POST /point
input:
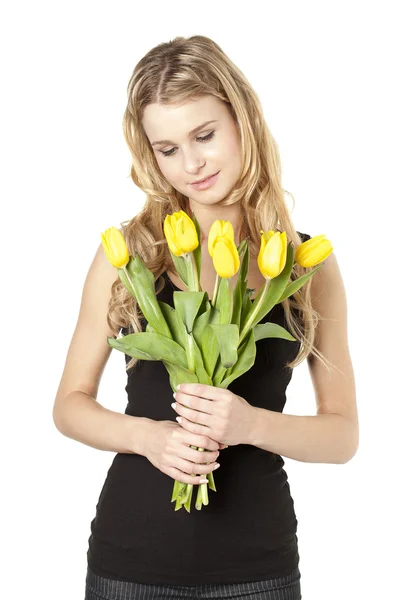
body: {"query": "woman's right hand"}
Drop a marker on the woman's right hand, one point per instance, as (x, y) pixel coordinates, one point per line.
(168, 449)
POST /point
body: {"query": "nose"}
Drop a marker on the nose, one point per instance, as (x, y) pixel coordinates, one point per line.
(193, 162)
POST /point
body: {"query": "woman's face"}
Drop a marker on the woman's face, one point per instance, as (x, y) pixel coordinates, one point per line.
(184, 156)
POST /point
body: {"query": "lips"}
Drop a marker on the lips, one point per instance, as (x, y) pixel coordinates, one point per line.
(205, 179)
(205, 185)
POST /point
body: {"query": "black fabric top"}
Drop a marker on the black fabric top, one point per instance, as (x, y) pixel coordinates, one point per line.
(247, 532)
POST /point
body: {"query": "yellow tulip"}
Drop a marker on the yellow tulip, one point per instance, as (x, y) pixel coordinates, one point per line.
(225, 257)
(181, 233)
(115, 247)
(219, 229)
(273, 252)
(313, 251)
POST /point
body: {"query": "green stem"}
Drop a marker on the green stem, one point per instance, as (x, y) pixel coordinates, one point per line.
(254, 312)
(194, 285)
(190, 354)
(230, 299)
(193, 276)
(216, 287)
(128, 278)
(202, 491)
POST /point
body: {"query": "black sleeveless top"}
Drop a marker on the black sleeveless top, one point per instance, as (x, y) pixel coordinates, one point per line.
(247, 532)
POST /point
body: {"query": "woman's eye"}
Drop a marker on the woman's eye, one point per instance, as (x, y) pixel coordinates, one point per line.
(199, 139)
(206, 137)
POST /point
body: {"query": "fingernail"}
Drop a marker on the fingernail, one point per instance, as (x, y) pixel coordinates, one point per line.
(216, 466)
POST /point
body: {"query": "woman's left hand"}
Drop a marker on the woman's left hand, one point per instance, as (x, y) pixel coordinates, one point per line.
(216, 412)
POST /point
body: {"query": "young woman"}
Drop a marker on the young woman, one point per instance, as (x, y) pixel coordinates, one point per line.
(192, 116)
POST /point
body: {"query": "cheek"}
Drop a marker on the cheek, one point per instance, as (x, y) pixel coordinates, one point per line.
(174, 175)
(167, 170)
(236, 155)
(234, 147)
(229, 151)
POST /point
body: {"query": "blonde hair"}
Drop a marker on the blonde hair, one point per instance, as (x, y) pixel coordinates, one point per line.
(174, 72)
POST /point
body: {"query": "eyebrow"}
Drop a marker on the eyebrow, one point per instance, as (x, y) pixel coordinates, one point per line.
(190, 133)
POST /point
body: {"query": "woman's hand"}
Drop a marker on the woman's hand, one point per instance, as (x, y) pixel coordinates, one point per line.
(168, 449)
(215, 412)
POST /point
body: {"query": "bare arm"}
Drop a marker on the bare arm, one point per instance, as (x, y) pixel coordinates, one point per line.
(331, 436)
(324, 438)
(76, 412)
(85, 420)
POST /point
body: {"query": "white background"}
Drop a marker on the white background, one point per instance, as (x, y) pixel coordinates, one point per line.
(326, 73)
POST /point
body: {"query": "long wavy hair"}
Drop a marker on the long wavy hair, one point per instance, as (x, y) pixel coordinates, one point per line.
(174, 72)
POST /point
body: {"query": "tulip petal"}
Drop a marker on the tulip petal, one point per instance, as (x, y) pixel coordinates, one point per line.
(218, 229)
(180, 232)
(169, 232)
(187, 230)
(215, 231)
(313, 251)
(115, 247)
(227, 230)
(283, 252)
(272, 256)
(226, 259)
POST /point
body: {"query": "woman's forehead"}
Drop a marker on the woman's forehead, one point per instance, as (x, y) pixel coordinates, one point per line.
(161, 121)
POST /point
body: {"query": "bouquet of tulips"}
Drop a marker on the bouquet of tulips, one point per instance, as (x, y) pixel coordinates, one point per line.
(198, 340)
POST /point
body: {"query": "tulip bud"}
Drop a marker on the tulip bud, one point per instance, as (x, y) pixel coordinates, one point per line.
(219, 229)
(313, 251)
(225, 257)
(273, 253)
(180, 232)
(115, 247)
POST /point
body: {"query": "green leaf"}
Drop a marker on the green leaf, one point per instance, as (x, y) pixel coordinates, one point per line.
(178, 374)
(241, 248)
(237, 304)
(240, 286)
(206, 339)
(181, 267)
(272, 330)
(201, 372)
(219, 372)
(175, 324)
(150, 346)
(197, 251)
(247, 306)
(210, 349)
(298, 283)
(144, 291)
(228, 340)
(187, 304)
(246, 358)
(202, 321)
(224, 300)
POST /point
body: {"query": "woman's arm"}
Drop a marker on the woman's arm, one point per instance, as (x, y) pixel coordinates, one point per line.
(328, 438)
(76, 412)
(85, 420)
(331, 436)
